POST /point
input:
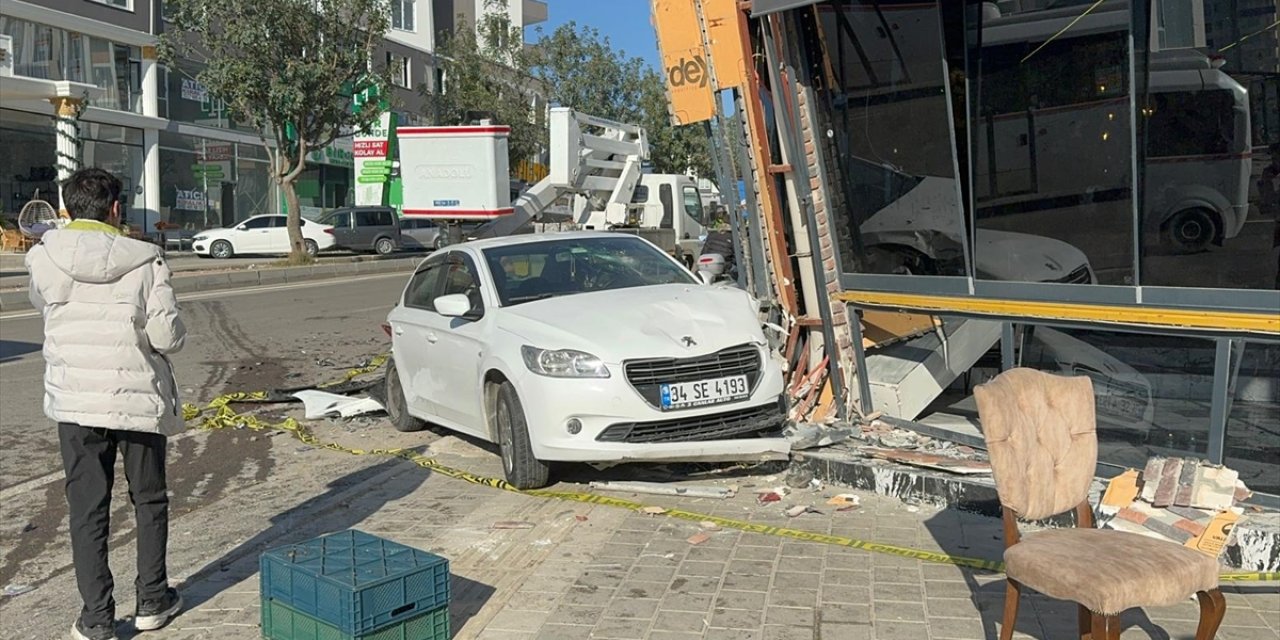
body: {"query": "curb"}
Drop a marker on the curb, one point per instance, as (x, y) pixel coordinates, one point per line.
(17, 299)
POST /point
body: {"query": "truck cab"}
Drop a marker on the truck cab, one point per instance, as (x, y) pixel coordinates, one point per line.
(662, 201)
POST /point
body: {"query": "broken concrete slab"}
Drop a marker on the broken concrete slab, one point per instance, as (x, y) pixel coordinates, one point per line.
(930, 460)
(658, 488)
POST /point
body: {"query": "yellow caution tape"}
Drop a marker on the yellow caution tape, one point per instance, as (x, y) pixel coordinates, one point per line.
(218, 415)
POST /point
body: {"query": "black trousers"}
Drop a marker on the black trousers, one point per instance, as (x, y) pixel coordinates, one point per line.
(89, 459)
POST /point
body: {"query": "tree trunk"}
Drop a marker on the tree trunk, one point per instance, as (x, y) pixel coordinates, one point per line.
(297, 248)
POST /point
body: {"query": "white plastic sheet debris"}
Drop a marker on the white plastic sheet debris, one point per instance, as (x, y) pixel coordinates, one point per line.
(321, 404)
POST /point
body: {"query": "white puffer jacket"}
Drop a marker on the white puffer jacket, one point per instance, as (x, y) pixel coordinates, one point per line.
(110, 317)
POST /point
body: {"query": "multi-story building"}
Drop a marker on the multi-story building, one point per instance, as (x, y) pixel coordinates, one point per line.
(184, 161)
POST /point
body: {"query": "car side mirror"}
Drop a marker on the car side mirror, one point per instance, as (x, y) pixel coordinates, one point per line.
(242, 228)
(706, 277)
(457, 305)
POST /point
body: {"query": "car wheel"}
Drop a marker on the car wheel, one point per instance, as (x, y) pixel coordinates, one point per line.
(311, 248)
(396, 405)
(1192, 230)
(518, 464)
(221, 250)
(439, 243)
(384, 246)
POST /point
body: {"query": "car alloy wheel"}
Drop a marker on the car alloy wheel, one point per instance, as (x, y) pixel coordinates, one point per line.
(221, 249)
(311, 247)
(519, 465)
(384, 246)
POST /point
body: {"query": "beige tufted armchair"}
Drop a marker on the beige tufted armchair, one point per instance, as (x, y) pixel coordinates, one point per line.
(1042, 436)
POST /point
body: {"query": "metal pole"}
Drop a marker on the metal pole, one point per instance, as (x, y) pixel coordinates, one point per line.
(1218, 408)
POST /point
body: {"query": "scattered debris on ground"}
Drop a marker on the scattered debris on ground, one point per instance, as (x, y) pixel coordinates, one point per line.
(17, 590)
(512, 524)
(1183, 500)
(659, 488)
(320, 404)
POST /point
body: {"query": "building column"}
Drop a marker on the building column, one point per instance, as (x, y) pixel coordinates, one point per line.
(67, 117)
(150, 140)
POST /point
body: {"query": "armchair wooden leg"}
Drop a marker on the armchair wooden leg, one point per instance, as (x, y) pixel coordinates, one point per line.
(1104, 627)
(1086, 622)
(1012, 593)
(1212, 609)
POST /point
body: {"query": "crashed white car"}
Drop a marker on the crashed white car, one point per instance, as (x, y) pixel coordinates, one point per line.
(587, 347)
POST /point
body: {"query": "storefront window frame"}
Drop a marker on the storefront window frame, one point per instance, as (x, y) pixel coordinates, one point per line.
(970, 287)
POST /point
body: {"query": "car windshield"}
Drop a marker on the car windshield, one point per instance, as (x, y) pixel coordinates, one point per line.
(539, 270)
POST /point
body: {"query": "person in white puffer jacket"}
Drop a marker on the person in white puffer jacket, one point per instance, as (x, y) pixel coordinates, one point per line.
(110, 320)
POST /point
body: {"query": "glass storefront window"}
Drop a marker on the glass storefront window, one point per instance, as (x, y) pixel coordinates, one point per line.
(1051, 145)
(1210, 154)
(28, 162)
(187, 100)
(211, 183)
(883, 105)
(1252, 444)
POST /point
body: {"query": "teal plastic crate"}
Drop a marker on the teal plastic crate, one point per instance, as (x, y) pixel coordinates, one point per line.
(354, 581)
(279, 622)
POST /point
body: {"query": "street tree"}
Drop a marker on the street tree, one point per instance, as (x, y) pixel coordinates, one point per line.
(289, 70)
(581, 69)
(486, 73)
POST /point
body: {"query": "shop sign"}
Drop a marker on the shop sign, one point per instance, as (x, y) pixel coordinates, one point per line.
(190, 200)
(372, 161)
(194, 91)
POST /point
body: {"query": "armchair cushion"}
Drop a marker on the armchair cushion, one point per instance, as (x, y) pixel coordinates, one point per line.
(1109, 571)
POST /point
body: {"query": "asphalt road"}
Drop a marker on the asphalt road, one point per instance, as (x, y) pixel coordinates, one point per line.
(250, 339)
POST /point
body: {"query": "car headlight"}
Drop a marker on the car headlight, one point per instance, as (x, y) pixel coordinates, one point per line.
(200, 238)
(563, 363)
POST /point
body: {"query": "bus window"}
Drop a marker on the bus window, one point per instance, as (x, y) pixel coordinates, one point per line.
(693, 204)
(1190, 123)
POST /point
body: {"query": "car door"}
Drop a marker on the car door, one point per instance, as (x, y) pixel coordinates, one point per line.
(459, 348)
(252, 236)
(412, 327)
(276, 239)
(343, 235)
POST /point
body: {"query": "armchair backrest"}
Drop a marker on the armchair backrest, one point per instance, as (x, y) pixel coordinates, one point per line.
(1041, 433)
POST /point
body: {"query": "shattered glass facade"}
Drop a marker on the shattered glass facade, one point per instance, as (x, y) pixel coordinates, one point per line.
(1100, 155)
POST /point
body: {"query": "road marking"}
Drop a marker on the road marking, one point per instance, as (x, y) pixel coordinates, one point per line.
(231, 293)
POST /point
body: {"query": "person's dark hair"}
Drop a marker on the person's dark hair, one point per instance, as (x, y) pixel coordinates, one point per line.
(90, 193)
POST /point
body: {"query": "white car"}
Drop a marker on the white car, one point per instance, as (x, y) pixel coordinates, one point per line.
(261, 235)
(586, 347)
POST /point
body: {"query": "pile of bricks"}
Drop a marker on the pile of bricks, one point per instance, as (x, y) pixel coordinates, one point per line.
(1183, 500)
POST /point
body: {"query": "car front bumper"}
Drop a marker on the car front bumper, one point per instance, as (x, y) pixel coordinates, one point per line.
(615, 424)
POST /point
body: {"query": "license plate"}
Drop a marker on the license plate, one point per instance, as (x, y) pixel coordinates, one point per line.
(683, 395)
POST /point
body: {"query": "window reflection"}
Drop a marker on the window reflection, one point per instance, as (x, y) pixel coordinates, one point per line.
(1051, 143)
(1210, 178)
(883, 100)
(1252, 445)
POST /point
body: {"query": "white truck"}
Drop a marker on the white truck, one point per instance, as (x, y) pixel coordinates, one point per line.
(597, 164)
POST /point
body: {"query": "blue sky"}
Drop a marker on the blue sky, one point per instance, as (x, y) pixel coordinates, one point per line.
(625, 22)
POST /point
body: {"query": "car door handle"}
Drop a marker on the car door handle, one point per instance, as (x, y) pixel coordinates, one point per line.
(432, 338)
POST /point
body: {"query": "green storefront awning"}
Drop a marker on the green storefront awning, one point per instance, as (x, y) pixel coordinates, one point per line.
(765, 7)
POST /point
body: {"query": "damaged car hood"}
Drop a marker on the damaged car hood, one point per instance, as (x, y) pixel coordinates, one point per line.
(675, 320)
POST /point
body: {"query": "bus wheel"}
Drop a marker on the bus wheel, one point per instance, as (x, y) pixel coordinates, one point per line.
(1192, 230)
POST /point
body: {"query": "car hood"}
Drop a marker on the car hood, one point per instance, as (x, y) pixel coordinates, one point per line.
(640, 322)
(1003, 255)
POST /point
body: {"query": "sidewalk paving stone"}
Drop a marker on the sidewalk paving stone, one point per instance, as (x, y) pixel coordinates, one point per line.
(621, 575)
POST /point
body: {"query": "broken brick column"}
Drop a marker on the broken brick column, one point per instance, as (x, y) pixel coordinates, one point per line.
(822, 199)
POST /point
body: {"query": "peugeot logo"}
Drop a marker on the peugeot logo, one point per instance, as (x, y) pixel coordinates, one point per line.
(688, 341)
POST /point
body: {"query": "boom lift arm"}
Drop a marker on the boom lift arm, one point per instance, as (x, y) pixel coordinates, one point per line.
(592, 157)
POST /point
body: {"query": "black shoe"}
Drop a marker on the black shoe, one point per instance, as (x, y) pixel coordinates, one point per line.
(154, 614)
(80, 631)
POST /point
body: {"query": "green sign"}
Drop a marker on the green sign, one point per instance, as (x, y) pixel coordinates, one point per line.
(375, 171)
(371, 179)
(376, 163)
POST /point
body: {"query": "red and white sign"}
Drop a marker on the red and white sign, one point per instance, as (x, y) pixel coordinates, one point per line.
(370, 148)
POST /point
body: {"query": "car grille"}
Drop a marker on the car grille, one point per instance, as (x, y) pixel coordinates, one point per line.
(1079, 276)
(648, 376)
(743, 423)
